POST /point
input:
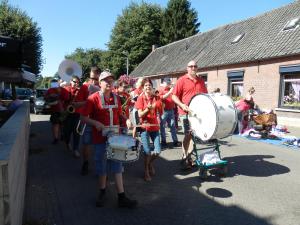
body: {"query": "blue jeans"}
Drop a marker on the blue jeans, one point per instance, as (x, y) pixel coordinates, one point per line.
(104, 165)
(87, 135)
(145, 137)
(168, 116)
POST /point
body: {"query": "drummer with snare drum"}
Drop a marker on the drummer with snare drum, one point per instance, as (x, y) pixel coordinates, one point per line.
(104, 110)
(186, 87)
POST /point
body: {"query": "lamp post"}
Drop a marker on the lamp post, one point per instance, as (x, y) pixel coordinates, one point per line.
(127, 61)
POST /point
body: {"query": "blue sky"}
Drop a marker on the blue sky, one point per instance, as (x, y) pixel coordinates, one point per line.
(66, 25)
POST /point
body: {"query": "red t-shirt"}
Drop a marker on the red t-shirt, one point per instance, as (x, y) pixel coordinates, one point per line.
(61, 95)
(73, 91)
(151, 117)
(95, 110)
(242, 105)
(83, 94)
(169, 104)
(186, 88)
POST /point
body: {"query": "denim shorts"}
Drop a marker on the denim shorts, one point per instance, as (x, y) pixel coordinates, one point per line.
(104, 165)
(87, 137)
(155, 137)
(185, 124)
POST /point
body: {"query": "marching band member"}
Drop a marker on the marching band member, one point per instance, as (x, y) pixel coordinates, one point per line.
(124, 96)
(56, 97)
(72, 118)
(134, 96)
(186, 87)
(149, 106)
(88, 88)
(168, 115)
(103, 109)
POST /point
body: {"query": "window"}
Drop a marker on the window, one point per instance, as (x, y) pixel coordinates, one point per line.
(292, 24)
(290, 97)
(235, 84)
(237, 38)
(290, 87)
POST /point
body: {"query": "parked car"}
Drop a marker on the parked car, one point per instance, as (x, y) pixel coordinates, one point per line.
(39, 103)
(24, 93)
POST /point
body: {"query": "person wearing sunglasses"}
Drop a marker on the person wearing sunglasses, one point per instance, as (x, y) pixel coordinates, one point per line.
(186, 87)
(87, 89)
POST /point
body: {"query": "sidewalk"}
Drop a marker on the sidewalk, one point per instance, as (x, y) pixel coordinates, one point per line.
(57, 193)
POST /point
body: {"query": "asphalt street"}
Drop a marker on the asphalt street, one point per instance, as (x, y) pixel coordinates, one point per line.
(262, 187)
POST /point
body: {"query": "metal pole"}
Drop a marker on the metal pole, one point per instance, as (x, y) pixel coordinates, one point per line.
(127, 65)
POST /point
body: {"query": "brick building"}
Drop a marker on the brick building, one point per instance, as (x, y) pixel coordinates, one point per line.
(262, 51)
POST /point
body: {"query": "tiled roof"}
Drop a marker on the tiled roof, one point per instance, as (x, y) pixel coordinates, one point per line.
(264, 38)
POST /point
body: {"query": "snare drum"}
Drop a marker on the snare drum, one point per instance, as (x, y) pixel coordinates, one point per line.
(123, 148)
(212, 116)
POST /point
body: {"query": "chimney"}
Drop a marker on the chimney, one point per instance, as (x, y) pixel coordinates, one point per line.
(154, 47)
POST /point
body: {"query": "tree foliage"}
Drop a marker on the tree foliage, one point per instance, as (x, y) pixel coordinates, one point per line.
(179, 21)
(87, 58)
(134, 33)
(17, 24)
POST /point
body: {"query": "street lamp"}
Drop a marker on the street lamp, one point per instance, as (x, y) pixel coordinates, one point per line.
(127, 61)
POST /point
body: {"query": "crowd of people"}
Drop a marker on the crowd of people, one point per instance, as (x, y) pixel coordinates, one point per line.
(101, 103)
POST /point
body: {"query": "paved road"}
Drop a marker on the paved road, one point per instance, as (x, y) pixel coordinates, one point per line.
(262, 187)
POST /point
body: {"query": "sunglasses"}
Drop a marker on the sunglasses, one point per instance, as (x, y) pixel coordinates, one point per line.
(193, 66)
(75, 81)
(93, 78)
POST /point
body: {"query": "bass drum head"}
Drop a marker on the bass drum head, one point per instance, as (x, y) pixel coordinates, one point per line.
(203, 117)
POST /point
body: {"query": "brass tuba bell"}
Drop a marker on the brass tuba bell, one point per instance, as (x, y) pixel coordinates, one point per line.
(68, 68)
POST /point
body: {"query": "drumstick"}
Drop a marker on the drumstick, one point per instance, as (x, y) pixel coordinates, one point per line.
(147, 125)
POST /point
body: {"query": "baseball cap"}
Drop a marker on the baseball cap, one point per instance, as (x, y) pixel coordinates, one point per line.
(105, 74)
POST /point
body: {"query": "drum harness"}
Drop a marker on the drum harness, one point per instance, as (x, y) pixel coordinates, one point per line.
(109, 107)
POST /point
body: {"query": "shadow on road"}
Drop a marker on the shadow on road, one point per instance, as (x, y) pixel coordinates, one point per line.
(254, 166)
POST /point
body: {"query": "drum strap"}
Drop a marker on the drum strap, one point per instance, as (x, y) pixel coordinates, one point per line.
(109, 107)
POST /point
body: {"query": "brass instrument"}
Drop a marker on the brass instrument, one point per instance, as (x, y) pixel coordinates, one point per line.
(71, 109)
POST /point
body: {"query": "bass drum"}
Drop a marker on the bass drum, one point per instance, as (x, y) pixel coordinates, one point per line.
(212, 116)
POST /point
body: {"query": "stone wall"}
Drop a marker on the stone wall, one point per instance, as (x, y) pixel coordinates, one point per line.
(14, 139)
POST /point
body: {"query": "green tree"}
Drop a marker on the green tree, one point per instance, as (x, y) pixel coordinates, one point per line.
(135, 31)
(179, 21)
(87, 58)
(17, 24)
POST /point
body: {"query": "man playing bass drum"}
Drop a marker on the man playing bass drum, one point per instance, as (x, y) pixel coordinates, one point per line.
(186, 87)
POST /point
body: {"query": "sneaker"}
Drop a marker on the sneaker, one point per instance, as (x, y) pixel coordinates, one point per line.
(101, 200)
(76, 154)
(127, 203)
(85, 168)
(185, 165)
(164, 145)
(176, 144)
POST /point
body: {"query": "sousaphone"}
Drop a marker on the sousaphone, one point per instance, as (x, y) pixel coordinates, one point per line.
(69, 68)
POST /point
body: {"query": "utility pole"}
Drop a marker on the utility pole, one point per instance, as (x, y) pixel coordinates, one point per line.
(127, 61)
